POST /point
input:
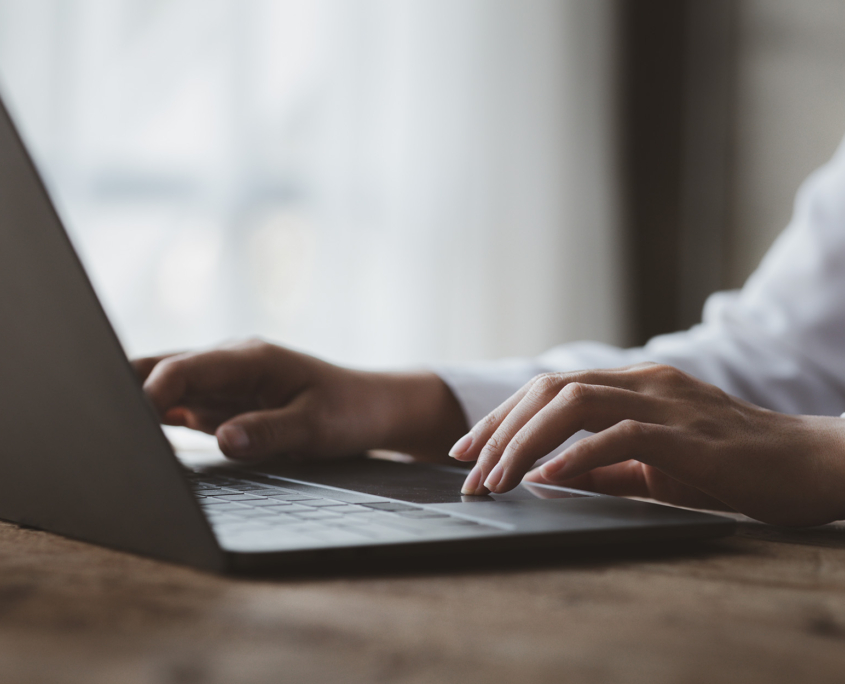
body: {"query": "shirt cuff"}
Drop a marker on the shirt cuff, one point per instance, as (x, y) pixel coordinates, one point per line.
(481, 387)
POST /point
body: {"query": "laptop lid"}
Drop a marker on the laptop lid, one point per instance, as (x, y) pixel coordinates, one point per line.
(81, 451)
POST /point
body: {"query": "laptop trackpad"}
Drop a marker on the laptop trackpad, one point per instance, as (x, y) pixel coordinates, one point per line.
(412, 482)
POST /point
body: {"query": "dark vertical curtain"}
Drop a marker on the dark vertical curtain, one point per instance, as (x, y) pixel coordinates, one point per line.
(676, 74)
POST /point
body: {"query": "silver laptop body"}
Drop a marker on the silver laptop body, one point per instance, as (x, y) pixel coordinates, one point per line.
(82, 453)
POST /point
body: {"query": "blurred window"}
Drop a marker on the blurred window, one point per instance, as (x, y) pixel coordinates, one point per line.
(377, 181)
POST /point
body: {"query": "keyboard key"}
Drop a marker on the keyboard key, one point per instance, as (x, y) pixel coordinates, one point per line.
(321, 503)
(253, 488)
(222, 507)
(236, 497)
(421, 514)
(292, 497)
(272, 503)
(220, 518)
(253, 513)
(348, 509)
(248, 524)
(282, 519)
(346, 497)
(296, 507)
(316, 515)
(459, 521)
(392, 506)
(304, 527)
(362, 512)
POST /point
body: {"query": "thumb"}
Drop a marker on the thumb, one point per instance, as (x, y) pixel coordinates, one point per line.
(259, 434)
(143, 367)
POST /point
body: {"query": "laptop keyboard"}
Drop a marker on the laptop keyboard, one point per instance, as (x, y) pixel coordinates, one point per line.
(255, 513)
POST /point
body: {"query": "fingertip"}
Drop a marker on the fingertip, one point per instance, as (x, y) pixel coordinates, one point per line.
(472, 485)
(534, 476)
(461, 447)
(164, 385)
(556, 469)
(175, 416)
(494, 479)
(233, 441)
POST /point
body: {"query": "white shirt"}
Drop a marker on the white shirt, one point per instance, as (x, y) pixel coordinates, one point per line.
(779, 342)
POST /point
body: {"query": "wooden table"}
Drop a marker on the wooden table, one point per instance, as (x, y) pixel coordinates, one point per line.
(767, 606)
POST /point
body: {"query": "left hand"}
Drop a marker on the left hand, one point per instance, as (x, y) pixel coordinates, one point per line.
(662, 434)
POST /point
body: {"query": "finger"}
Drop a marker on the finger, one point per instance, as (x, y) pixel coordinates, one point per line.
(627, 440)
(204, 420)
(510, 415)
(177, 379)
(517, 445)
(632, 478)
(619, 479)
(144, 366)
(260, 434)
(507, 421)
(176, 416)
(468, 447)
(542, 389)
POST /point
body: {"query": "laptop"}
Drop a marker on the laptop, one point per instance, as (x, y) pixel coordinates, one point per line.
(83, 454)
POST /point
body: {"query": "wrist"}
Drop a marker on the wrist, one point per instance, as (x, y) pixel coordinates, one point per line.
(416, 413)
(824, 460)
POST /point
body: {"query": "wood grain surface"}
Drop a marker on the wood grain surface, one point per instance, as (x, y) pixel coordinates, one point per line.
(766, 605)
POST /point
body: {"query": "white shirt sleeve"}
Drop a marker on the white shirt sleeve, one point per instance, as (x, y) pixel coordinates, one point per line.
(779, 342)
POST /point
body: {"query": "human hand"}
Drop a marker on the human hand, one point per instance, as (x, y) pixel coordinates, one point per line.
(662, 434)
(262, 400)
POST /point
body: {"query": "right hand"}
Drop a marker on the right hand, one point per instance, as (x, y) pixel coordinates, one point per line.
(262, 400)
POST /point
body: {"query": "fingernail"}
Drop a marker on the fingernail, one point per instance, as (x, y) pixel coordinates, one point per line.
(471, 484)
(461, 446)
(555, 469)
(494, 477)
(234, 437)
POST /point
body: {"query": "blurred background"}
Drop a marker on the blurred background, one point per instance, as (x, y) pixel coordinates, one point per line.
(387, 182)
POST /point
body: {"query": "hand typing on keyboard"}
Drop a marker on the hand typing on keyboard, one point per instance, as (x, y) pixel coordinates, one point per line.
(261, 400)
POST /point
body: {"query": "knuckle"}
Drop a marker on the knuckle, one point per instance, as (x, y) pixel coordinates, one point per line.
(547, 382)
(517, 446)
(663, 375)
(650, 370)
(583, 448)
(670, 374)
(633, 430)
(260, 347)
(169, 369)
(253, 345)
(243, 343)
(488, 423)
(576, 393)
(644, 365)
